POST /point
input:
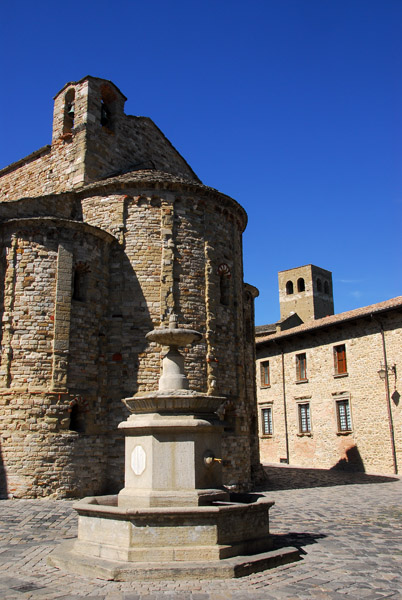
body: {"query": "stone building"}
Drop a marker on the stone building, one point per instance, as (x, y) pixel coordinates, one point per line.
(327, 385)
(103, 234)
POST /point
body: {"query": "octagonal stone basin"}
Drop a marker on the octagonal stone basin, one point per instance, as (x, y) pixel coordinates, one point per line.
(221, 530)
(225, 540)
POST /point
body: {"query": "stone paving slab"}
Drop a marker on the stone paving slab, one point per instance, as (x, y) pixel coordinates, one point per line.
(350, 536)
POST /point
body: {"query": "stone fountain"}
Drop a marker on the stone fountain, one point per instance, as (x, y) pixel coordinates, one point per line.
(173, 518)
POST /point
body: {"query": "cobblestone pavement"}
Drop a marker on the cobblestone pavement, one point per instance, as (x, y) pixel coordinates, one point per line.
(349, 528)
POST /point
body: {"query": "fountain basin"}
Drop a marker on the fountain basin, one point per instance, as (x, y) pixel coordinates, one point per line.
(165, 534)
(174, 401)
(223, 540)
(219, 541)
(173, 336)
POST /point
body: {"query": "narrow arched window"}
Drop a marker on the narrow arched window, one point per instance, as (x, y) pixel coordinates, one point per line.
(224, 290)
(69, 111)
(300, 285)
(289, 288)
(326, 287)
(75, 424)
(319, 285)
(80, 282)
(77, 417)
(224, 283)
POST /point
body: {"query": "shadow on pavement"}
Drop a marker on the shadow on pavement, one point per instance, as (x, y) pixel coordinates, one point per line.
(298, 540)
(289, 478)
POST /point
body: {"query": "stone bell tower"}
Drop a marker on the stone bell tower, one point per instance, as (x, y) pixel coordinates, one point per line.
(307, 292)
(88, 117)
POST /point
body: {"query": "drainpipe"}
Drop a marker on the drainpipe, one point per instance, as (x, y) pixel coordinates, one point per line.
(388, 396)
(285, 414)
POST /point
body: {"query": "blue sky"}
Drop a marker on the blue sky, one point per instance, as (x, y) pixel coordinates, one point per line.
(292, 107)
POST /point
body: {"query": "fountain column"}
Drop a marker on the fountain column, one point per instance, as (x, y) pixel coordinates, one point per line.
(173, 436)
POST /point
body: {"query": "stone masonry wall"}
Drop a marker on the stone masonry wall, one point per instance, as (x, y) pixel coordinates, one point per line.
(126, 142)
(41, 452)
(48, 173)
(368, 446)
(251, 413)
(28, 333)
(164, 264)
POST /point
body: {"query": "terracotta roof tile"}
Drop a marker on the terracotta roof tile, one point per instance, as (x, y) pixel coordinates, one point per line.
(261, 329)
(162, 180)
(153, 177)
(339, 318)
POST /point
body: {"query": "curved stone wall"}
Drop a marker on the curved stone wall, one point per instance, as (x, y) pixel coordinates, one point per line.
(182, 248)
(52, 416)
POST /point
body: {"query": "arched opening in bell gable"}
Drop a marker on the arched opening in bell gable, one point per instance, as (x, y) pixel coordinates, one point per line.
(69, 111)
(107, 112)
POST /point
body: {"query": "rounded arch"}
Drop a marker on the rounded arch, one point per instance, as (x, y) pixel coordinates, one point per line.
(69, 111)
(326, 287)
(289, 288)
(80, 282)
(107, 115)
(224, 283)
(319, 285)
(301, 286)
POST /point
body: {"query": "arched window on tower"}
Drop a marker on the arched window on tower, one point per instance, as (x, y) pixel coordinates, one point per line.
(107, 108)
(289, 288)
(69, 111)
(319, 285)
(301, 285)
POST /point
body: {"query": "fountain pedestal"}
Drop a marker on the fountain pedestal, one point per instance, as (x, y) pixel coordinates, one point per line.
(171, 456)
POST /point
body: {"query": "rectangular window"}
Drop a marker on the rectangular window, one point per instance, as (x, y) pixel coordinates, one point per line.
(264, 371)
(301, 366)
(340, 359)
(343, 415)
(266, 419)
(304, 418)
